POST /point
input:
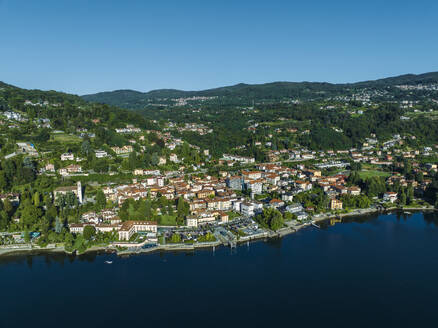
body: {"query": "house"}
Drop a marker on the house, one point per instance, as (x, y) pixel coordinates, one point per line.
(67, 157)
(272, 178)
(251, 175)
(73, 168)
(276, 203)
(354, 191)
(287, 197)
(100, 153)
(335, 204)
(301, 216)
(294, 208)
(303, 185)
(173, 158)
(13, 198)
(390, 196)
(26, 148)
(122, 150)
(50, 168)
(162, 160)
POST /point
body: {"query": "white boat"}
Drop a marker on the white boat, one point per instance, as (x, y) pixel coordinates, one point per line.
(109, 262)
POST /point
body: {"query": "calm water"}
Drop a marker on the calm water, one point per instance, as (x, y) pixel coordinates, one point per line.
(375, 271)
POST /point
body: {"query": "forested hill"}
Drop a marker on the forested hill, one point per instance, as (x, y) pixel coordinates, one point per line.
(243, 92)
(66, 111)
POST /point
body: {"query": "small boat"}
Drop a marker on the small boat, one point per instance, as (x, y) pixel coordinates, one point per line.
(108, 262)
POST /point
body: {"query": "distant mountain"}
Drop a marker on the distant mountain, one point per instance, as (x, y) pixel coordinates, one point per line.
(267, 91)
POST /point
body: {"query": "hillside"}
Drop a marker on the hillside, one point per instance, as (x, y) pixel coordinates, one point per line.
(244, 92)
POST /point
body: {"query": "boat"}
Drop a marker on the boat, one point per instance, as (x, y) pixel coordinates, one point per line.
(108, 262)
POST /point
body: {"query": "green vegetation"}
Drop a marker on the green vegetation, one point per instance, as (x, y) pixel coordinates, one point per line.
(365, 174)
(270, 218)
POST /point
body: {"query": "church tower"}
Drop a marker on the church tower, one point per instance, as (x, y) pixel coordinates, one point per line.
(80, 192)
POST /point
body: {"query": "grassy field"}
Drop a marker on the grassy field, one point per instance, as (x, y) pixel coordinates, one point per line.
(364, 174)
(168, 220)
(65, 138)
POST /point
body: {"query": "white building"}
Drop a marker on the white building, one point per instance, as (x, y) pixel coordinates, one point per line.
(101, 153)
(67, 157)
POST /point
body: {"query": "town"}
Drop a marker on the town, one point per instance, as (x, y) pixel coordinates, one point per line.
(78, 176)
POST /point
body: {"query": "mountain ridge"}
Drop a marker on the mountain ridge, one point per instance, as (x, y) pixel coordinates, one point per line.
(272, 90)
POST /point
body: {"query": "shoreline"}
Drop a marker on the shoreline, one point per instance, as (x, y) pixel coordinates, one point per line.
(32, 250)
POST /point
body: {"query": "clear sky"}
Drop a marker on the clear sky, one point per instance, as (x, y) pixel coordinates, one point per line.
(86, 46)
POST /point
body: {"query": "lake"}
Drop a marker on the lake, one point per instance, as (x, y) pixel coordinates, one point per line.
(377, 270)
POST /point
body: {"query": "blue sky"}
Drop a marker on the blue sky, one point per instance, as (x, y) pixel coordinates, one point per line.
(89, 46)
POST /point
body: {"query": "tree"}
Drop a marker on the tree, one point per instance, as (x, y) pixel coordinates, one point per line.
(132, 160)
(180, 207)
(86, 148)
(26, 236)
(148, 209)
(176, 238)
(8, 207)
(155, 160)
(410, 195)
(100, 200)
(276, 222)
(403, 198)
(4, 220)
(68, 241)
(58, 225)
(419, 177)
(3, 181)
(30, 215)
(288, 216)
(170, 209)
(36, 199)
(71, 200)
(89, 232)
(270, 218)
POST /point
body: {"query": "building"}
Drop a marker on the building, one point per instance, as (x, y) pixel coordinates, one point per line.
(101, 153)
(287, 197)
(173, 158)
(77, 190)
(276, 203)
(73, 168)
(335, 204)
(122, 150)
(50, 168)
(128, 228)
(256, 186)
(235, 183)
(13, 198)
(294, 208)
(26, 148)
(67, 157)
(196, 221)
(250, 209)
(390, 196)
(301, 216)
